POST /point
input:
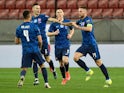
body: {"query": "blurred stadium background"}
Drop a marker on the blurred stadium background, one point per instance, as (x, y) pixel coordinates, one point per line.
(108, 17)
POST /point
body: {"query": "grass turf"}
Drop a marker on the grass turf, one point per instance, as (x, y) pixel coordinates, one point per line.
(10, 76)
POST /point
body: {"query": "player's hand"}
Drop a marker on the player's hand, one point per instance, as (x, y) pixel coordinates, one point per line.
(59, 22)
(69, 36)
(56, 32)
(74, 24)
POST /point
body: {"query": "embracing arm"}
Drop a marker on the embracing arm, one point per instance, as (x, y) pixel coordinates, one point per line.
(70, 34)
(87, 28)
(53, 33)
(53, 20)
(67, 24)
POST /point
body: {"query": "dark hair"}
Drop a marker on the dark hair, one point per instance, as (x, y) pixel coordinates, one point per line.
(35, 4)
(26, 14)
(83, 7)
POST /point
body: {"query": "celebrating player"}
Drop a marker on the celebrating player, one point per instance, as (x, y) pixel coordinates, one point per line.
(31, 41)
(62, 43)
(40, 20)
(89, 45)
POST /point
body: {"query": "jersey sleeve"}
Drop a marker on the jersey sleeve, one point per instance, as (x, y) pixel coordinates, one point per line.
(70, 27)
(51, 28)
(88, 22)
(17, 33)
(45, 17)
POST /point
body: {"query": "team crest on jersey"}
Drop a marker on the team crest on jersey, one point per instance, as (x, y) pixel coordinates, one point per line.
(82, 24)
(35, 20)
(61, 26)
(66, 27)
(57, 27)
(46, 16)
(39, 20)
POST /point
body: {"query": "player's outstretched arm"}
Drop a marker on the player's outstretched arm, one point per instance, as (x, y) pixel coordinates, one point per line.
(87, 28)
(53, 20)
(67, 23)
(53, 33)
(70, 34)
(17, 40)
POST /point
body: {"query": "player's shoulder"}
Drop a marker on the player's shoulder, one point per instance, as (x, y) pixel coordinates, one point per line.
(43, 15)
(19, 27)
(67, 20)
(53, 23)
(88, 18)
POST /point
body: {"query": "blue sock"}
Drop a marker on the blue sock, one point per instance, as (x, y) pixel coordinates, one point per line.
(22, 74)
(45, 76)
(104, 71)
(82, 64)
(62, 69)
(51, 65)
(67, 67)
(35, 70)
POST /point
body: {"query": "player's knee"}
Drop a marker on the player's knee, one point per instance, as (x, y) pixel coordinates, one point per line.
(61, 64)
(42, 66)
(48, 59)
(76, 58)
(25, 69)
(65, 60)
(98, 62)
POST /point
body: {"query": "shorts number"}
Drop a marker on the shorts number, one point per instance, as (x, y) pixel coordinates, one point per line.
(26, 34)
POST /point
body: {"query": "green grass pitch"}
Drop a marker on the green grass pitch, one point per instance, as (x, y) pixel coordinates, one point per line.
(10, 76)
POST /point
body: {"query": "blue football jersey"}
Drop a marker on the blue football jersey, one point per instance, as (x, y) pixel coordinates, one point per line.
(88, 37)
(61, 40)
(41, 21)
(28, 33)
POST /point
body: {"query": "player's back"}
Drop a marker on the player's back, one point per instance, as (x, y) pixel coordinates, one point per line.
(28, 33)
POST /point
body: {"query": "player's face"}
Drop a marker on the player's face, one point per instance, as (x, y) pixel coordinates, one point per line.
(36, 9)
(59, 13)
(82, 12)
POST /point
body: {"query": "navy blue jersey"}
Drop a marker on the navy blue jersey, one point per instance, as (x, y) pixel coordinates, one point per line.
(88, 37)
(28, 33)
(41, 21)
(61, 40)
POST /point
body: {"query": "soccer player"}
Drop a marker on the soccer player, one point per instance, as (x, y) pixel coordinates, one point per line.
(31, 41)
(89, 45)
(40, 20)
(62, 35)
